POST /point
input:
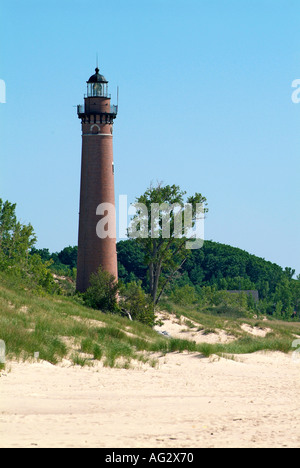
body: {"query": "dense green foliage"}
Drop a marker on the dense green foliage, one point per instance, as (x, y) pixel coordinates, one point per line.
(137, 304)
(102, 293)
(218, 267)
(16, 242)
(63, 263)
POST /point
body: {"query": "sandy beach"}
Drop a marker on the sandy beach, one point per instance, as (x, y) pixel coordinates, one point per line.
(187, 401)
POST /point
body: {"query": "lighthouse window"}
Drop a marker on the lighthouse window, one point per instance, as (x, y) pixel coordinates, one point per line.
(113, 168)
(97, 89)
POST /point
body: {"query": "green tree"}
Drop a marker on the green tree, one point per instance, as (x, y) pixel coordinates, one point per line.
(162, 235)
(43, 253)
(284, 294)
(16, 239)
(136, 303)
(68, 256)
(289, 272)
(278, 309)
(131, 262)
(102, 293)
(183, 295)
(40, 276)
(18, 255)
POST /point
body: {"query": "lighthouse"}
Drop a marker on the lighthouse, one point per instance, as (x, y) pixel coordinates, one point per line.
(97, 195)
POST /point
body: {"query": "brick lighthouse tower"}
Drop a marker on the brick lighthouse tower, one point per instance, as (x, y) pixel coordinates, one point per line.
(97, 183)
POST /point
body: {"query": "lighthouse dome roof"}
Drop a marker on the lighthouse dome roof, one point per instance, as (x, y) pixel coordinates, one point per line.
(97, 78)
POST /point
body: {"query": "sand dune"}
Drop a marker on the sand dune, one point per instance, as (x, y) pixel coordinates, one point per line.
(186, 402)
(177, 328)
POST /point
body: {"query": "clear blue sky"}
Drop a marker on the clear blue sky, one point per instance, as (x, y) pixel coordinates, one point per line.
(205, 103)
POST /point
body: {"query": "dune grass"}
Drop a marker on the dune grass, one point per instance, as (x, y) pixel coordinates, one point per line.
(60, 328)
(280, 338)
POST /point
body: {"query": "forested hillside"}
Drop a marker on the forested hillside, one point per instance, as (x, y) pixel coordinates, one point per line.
(206, 273)
(214, 267)
(222, 267)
